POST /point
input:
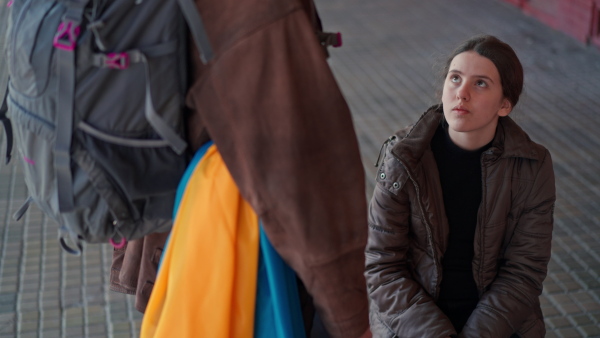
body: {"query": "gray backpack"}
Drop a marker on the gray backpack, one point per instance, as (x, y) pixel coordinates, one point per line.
(96, 102)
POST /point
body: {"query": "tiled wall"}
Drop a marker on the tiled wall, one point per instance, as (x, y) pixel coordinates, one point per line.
(578, 18)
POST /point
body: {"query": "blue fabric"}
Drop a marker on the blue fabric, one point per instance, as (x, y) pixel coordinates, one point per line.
(188, 172)
(278, 312)
(181, 188)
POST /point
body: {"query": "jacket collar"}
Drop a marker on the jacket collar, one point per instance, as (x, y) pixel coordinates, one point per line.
(410, 148)
(510, 140)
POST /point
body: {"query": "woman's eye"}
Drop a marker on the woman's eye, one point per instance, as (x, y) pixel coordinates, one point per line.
(481, 83)
(454, 78)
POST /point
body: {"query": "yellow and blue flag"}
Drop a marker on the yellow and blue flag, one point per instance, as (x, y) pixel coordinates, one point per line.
(219, 275)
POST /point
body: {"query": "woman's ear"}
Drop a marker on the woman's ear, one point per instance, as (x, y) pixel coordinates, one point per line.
(505, 108)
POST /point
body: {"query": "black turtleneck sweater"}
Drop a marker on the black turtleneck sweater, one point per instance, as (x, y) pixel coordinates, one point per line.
(460, 176)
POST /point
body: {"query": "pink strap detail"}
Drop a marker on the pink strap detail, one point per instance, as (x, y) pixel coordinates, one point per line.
(28, 160)
(10, 3)
(339, 39)
(68, 31)
(118, 245)
(117, 60)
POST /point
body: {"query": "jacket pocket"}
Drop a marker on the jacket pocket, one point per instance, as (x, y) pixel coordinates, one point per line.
(33, 138)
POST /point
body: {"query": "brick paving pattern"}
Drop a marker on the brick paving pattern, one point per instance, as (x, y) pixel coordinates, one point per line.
(45, 292)
(387, 72)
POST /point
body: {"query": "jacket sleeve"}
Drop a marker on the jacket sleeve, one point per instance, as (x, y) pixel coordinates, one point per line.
(513, 295)
(399, 304)
(271, 104)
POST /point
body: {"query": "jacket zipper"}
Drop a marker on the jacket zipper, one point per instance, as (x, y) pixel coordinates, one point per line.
(481, 212)
(427, 227)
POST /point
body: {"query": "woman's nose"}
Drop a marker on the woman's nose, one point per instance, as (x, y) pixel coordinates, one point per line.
(463, 93)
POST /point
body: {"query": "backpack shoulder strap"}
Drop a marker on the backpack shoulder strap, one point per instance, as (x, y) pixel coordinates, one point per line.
(65, 42)
(196, 26)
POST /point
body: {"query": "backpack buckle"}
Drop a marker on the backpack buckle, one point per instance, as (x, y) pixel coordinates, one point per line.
(117, 60)
(66, 36)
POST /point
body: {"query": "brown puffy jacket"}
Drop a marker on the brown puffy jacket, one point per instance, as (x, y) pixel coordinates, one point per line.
(408, 235)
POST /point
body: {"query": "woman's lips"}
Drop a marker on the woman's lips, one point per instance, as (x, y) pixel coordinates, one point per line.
(460, 110)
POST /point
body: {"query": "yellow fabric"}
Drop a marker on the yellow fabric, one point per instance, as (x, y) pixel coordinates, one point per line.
(206, 286)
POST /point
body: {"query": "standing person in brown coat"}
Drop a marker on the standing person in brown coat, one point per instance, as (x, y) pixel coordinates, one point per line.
(271, 105)
(460, 223)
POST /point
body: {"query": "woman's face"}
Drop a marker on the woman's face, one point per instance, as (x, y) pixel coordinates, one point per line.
(473, 100)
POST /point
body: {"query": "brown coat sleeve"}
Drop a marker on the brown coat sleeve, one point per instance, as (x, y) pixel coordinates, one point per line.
(273, 108)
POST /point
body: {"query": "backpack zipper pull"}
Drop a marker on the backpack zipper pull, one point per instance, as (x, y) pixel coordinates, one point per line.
(7, 127)
(95, 27)
(19, 213)
(121, 244)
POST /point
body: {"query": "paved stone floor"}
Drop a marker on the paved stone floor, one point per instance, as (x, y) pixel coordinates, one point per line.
(387, 70)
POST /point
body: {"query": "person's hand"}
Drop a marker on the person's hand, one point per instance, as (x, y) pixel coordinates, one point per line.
(367, 334)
